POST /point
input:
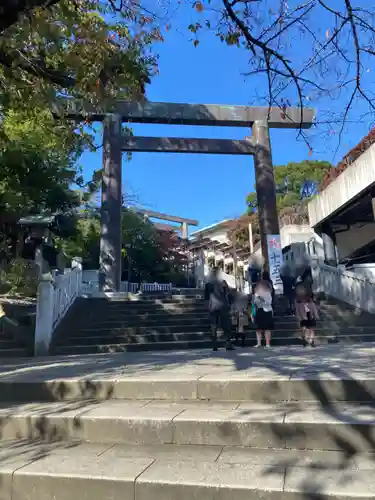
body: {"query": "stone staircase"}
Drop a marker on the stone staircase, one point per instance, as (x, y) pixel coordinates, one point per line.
(255, 424)
(160, 322)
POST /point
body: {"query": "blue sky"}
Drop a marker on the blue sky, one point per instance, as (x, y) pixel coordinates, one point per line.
(208, 188)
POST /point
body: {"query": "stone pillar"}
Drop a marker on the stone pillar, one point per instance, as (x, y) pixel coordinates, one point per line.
(265, 186)
(111, 209)
(185, 231)
(234, 254)
(44, 318)
(77, 263)
(329, 245)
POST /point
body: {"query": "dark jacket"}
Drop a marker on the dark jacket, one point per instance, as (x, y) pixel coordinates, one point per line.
(289, 284)
(254, 275)
(217, 294)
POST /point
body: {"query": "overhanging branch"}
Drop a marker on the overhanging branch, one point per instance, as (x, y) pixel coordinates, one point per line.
(11, 11)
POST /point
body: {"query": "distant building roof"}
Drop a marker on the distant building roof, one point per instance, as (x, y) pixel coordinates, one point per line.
(210, 228)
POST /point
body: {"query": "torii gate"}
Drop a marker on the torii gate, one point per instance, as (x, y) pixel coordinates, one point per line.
(114, 142)
(184, 223)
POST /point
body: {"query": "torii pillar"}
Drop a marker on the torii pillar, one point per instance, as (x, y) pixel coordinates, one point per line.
(111, 210)
(265, 187)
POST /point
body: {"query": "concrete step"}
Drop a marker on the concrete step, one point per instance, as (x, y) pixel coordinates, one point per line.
(157, 337)
(284, 425)
(151, 336)
(138, 304)
(166, 315)
(137, 333)
(122, 347)
(145, 320)
(160, 321)
(36, 471)
(326, 374)
(144, 300)
(16, 351)
(150, 343)
(131, 331)
(9, 343)
(129, 310)
(193, 324)
(199, 324)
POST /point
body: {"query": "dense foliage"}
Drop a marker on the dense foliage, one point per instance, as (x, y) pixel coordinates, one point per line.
(50, 51)
(148, 254)
(289, 180)
(78, 49)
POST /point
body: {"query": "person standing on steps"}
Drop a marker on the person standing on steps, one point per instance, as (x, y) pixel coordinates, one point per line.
(240, 316)
(307, 313)
(266, 278)
(262, 312)
(254, 272)
(289, 287)
(216, 293)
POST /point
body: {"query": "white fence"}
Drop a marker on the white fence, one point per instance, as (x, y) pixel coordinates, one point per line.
(54, 299)
(90, 285)
(127, 287)
(356, 290)
(156, 287)
(145, 287)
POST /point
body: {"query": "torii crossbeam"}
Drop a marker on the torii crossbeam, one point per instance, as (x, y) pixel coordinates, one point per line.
(184, 223)
(114, 142)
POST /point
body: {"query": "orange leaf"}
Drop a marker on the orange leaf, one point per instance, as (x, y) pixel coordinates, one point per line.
(198, 6)
(167, 27)
(310, 152)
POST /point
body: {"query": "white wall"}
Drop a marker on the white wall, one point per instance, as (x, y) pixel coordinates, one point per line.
(295, 233)
(350, 183)
(349, 241)
(364, 271)
(305, 249)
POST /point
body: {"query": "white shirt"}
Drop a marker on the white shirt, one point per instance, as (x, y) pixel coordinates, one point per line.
(263, 301)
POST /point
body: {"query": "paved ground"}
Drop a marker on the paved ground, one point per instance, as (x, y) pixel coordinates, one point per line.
(328, 361)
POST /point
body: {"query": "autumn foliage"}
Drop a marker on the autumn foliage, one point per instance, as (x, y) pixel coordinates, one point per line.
(171, 247)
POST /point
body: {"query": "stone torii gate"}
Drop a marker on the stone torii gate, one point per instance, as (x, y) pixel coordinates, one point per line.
(184, 223)
(260, 119)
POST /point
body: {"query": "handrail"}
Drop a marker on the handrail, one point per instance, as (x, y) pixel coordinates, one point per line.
(344, 285)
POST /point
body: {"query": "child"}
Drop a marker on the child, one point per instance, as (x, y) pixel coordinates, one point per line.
(307, 313)
(262, 312)
(239, 311)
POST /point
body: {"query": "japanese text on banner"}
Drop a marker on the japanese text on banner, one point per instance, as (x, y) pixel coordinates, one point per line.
(275, 258)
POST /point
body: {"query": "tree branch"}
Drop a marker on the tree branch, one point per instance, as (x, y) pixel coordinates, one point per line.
(11, 11)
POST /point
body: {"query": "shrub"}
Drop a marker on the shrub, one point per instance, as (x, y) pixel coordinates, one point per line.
(19, 277)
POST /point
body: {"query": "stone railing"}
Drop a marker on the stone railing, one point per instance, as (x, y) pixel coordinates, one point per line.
(358, 291)
(55, 296)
